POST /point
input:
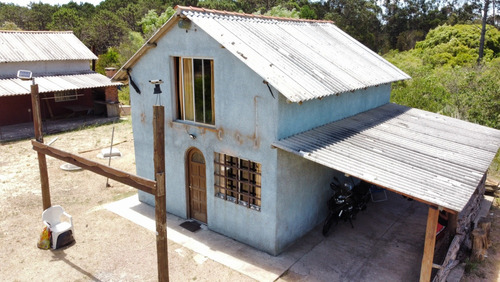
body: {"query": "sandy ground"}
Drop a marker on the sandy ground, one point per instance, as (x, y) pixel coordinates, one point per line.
(108, 247)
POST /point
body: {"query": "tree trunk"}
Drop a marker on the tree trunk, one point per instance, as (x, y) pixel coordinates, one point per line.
(483, 31)
(479, 244)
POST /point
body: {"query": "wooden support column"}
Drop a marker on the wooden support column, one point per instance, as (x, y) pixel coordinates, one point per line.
(160, 197)
(430, 243)
(42, 161)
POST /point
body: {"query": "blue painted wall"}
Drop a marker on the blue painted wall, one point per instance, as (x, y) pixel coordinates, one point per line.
(245, 127)
(295, 118)
(248, 121)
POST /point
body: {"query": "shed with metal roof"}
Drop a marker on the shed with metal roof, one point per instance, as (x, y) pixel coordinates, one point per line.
(60, 65)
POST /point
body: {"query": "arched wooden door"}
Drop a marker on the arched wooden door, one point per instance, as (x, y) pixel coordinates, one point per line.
(197, 189)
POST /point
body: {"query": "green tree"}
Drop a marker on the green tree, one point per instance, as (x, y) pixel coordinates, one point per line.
(412, 18)
(359, 18)
(445, 78)
(151, 22)
(108, 59)
(282, 12)
(307, 13)
(458, 45)
(15, 14)
(104, 30)
(224, 5)
(66, 19)
(84, 10)
(114, 5)
(40, 16)
(9, 26)
(129, 46)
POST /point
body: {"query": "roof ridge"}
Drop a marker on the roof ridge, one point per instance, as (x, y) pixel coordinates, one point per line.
(197, 9)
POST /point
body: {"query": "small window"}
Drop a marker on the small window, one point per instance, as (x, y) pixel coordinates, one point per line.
(195, 90)
(237, 180)
(63, 96)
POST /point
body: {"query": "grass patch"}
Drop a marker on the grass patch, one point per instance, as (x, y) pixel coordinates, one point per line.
(124, 95)
(494, 169)
(471, 266)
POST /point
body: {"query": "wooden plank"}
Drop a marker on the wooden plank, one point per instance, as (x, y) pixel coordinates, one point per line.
(161, 229)
(44, 181)
(138, 182)
(42, 161)
(430, 242)
(160, 197)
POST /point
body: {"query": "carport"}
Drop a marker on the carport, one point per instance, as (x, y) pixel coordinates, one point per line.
(437, 160)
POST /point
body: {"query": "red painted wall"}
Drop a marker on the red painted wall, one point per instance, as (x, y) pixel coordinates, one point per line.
(17, 109)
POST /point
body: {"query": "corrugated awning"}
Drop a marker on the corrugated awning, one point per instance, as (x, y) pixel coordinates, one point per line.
(427, 156)
(15, 86)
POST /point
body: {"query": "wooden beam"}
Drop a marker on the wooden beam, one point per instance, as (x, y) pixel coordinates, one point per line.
(138, 182)
(42, 161)
(430, 243)
(160, 197)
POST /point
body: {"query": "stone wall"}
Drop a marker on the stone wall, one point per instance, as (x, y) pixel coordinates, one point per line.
(465, 226)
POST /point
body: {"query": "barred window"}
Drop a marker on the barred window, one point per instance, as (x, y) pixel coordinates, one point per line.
(237, 180)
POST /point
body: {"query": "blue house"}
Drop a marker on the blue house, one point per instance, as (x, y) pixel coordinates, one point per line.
(262, 112)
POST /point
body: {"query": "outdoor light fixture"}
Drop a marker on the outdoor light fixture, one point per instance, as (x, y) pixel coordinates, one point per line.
(157, 83)
(25, 75)
(192, 136)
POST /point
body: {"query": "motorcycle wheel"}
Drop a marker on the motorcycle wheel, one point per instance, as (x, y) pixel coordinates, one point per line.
(328, 223)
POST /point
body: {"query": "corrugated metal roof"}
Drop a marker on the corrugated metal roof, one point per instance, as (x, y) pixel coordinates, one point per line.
(30, 46)
(429, 157)
(302, 59)
(15, 86)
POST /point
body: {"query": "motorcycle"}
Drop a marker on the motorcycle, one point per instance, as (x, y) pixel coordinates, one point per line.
(347, 200)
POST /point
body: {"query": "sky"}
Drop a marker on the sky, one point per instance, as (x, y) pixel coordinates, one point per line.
(51, 2)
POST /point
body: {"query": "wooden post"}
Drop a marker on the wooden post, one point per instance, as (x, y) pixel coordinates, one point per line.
(160, 197)
(42, 161)
(430, 243)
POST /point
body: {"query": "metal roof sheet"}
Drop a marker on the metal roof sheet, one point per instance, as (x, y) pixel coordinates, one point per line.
(30, 46)
(302, 59)
(15, 86)
(427, 156)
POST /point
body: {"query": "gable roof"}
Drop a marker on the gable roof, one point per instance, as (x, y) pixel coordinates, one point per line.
(302, 59)
(32, 46)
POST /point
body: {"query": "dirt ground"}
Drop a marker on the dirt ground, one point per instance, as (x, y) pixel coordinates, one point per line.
(109, 247)
(489, 269)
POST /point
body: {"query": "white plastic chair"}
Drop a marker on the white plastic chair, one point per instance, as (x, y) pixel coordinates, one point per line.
(52, 219)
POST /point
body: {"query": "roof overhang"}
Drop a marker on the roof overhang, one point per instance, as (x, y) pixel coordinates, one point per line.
(322, 61)
(55, 83)
(429, 157)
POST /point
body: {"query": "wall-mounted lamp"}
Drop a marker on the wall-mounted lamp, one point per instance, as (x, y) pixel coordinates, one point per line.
(192, 136)
(157, 83)
(25, 75)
